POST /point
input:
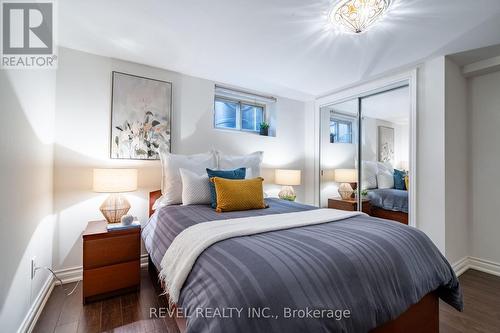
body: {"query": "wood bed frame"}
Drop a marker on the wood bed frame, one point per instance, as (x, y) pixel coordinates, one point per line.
(401, 217)
(420, 317)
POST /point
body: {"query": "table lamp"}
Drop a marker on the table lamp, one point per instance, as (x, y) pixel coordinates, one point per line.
(287, 178)
(346, 177)
(115, 181)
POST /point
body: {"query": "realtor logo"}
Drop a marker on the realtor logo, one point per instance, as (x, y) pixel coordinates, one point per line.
(28, 35)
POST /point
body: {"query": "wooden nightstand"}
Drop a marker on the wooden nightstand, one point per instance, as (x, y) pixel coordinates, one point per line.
(349, 205)
(111, 261)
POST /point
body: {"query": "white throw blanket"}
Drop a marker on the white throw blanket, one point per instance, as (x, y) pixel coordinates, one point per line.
(191, 242)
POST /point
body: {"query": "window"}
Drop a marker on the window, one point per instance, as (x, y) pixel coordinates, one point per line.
(225, 113)
(340, 131)
(238, 115)
(240, 110)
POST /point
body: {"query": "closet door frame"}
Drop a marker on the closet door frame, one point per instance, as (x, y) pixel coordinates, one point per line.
(364, 90)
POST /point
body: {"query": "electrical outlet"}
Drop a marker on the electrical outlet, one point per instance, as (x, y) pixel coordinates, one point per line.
(33, 267)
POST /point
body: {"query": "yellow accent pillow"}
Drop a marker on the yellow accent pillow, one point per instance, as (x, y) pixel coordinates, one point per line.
(238, 194)
(407, 182)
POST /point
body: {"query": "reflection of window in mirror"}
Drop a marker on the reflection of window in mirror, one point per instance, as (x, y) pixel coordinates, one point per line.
(340, 129)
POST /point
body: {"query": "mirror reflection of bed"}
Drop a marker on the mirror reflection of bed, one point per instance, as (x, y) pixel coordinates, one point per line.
(384, 135)
(385, 153)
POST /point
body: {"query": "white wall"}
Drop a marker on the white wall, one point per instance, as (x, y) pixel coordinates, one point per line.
(309, 153)
(456, 164)
(431, 151)
(401, 145)
(484, 109)
(26, 221)
(82, 140)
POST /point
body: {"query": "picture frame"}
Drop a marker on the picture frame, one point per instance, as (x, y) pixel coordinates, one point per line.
(141, 117)
(386, 144)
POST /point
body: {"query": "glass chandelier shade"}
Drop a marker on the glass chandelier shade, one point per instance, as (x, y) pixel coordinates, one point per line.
(358, 15)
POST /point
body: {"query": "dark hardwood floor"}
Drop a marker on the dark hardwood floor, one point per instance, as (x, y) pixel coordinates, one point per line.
(481, 305)
(127, 313)
(130, 313)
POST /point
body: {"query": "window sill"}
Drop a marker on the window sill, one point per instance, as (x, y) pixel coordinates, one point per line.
(229, 130)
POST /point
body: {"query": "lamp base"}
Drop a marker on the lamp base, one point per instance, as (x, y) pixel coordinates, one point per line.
(114, 207)
(345, 191)
(287, 193)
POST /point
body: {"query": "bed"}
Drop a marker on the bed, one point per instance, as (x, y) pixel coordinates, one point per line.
(389, 204)
(389, 275)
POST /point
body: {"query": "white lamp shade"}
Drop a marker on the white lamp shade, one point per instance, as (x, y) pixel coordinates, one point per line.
(346, 175)
(115, 180)
(287, 177)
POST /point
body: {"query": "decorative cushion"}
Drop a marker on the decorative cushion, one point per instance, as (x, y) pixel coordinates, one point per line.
(226, 174)
(399, 180)
(369, 175)
(251, 161)
(385, 166)
(236, 194)
(407, 182)
(195, 188)
(171, 187)
(385, 179)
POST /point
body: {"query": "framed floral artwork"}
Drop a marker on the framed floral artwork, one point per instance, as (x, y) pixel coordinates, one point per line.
(386, 144)
(141, 114)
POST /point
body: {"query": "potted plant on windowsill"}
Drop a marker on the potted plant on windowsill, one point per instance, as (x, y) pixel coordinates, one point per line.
(264, 129)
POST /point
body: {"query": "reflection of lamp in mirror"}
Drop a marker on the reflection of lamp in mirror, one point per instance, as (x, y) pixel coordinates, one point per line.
(115, 181)
(346, 177)
(287, 178)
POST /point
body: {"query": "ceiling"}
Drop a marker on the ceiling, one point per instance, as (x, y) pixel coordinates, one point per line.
(476, 55)
(280, 47)
(392, 106)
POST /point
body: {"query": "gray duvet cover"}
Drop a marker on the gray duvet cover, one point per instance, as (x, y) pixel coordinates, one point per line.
(346, 276)
(389, 199)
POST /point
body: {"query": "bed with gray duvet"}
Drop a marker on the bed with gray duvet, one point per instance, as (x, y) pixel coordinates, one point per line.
(347, 275)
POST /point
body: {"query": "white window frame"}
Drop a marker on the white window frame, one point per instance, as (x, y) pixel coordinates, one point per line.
(343, 120)
(239, 118)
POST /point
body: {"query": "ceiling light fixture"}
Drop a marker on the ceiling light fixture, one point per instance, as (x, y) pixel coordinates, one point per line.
(358, 15)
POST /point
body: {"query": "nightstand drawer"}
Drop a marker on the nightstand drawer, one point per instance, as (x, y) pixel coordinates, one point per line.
(111, 250)
(349, 205)
(111, 278)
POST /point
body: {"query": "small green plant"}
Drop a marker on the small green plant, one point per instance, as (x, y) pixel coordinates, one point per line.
(364, 193)
(264, 125)
(289, 197)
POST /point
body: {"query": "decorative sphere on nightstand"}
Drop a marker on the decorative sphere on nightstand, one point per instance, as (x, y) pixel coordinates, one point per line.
(127, 219)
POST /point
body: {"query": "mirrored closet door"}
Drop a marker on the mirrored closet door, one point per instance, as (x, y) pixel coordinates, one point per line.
(339, 152)
(375, 129)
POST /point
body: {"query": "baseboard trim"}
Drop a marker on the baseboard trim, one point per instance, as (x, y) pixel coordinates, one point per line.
(71, 274)
(482, 265)
(485, 266)
(461, 266)
(36, 308)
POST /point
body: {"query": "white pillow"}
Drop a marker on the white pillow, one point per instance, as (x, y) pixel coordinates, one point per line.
(385, 166)
(369, 175)
(385, 179)
(160, 202)
(171, 187)
(252, 162)
(195, 188)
